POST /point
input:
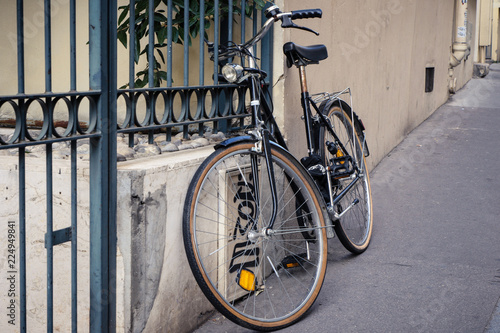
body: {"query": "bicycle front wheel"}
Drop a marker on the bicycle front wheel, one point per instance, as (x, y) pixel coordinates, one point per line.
(259, 278)
(354, 228)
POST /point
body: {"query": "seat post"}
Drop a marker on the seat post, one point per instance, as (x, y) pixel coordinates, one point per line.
(303, 79)
(305, 107)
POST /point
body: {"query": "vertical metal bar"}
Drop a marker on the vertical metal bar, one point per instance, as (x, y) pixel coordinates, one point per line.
(243, 10)
(216, 58)
(22, 168)
(49, 245)
(151, 61)
(266, 54)
(169, 54)
(74, 238)
(202, 45)
(151, 45)
(202, 54)
(131, 71)
(169, 43)
(102, 70)
(72, 41)
(230, 21)
(186, 43)
(186, 65)
(254, 30)
(216, 41)
(48, 171)
(74, 198)
(48, 51)
(131, 60)
(22, 237)
(111, 185)
(20, 46)
(243, 16)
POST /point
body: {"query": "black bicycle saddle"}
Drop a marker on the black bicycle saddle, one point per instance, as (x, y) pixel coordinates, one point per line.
(304, 55)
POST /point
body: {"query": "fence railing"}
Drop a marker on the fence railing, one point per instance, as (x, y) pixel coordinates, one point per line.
(92, 115)
(192, 106)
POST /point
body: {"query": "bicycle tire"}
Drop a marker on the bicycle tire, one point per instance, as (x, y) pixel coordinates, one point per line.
(225, 194)
(354, 229)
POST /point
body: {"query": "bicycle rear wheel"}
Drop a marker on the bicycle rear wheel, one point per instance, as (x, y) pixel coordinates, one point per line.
(260, 280)
(354, 228)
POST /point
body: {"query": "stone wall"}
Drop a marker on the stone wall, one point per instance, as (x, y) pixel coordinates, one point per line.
(155, 287)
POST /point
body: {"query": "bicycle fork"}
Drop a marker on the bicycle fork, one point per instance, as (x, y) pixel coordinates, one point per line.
(263, 146)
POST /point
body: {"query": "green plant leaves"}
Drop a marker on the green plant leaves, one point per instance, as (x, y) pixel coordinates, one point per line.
(141, 29)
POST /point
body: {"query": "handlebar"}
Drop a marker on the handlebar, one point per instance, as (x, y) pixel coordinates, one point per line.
(274, 14)
(306, 13)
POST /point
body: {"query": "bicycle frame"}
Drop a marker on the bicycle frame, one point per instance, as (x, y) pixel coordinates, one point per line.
(260, 107)
(263, 135)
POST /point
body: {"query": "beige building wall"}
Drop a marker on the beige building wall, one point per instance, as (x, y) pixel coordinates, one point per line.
(495, 38)
(380, 49)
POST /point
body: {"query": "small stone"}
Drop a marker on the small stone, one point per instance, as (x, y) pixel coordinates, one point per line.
(217, 137)
(60, 145)
(38, 149)
(169, 147)
(177, 142)
(120, 158)
(60, 130)
(202, 141)
(83, 149)
(160, 137)
(125, 151)
(142, 140)
(185, 146)
(82, 142)
(180, 136)
(143, 150)
(61, 154)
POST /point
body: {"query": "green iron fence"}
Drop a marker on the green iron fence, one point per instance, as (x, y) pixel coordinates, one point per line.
(201, 105)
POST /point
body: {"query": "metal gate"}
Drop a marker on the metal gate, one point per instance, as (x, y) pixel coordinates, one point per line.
(22, 137)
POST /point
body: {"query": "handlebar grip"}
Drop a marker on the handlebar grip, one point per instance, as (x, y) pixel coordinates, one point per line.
(306, 13)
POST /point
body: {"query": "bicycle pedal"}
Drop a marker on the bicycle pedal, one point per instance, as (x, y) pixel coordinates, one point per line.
(341, 167)
(293, 260)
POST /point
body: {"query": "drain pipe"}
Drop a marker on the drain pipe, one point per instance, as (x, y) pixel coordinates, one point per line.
(460, 48)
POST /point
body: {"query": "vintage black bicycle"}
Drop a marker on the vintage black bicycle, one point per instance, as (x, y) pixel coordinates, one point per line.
(256, 220)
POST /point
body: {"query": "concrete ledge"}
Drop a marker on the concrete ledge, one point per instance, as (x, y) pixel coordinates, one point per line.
(159, 291)
(156, 291)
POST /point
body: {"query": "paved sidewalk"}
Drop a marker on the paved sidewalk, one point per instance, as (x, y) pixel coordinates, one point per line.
(434, 261)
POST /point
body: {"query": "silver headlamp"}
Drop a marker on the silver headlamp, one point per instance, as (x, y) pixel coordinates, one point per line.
(232, 72)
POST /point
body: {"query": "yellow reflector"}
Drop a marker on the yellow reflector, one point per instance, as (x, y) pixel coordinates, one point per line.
(340, 154)
(292, 264)
(246, 280)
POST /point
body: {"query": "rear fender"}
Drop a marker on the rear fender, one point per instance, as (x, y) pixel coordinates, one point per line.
(358, 124)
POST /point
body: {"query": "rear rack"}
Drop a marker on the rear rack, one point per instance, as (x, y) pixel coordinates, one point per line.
(327, 96)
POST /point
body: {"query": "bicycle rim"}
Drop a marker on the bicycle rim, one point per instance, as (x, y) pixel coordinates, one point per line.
(354, 228)
(263, 282)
